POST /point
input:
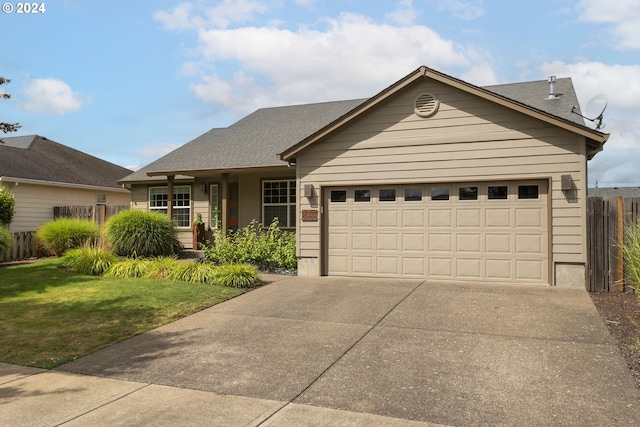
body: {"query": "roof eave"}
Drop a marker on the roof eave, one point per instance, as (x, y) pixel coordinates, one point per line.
(61, 184)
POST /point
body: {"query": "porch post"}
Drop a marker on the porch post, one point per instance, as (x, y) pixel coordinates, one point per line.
(225, 203)
(170, 196)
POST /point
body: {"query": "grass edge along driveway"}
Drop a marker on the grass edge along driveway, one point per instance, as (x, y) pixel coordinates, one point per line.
(49, 316)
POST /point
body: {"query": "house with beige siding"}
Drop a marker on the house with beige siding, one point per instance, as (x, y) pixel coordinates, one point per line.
(42, 173)
(431, 178)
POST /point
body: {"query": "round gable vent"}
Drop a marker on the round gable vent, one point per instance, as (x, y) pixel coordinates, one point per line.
(426, 105)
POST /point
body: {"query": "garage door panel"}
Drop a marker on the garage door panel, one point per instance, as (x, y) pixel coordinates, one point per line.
(440, 242)
(440, 218)
(529, 217)
(498, 243)
(441, 267)
(413, 218)
(498, 236)
(468, 218)
(468, 243)
(387, 218)
(413, 242)
(470, 268)
(361, 218)
(361, 241)
(387, 242)
(498, 217)
(529, 243)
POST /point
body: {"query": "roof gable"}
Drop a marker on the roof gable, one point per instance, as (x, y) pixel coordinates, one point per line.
(37, 158)
(503, 94)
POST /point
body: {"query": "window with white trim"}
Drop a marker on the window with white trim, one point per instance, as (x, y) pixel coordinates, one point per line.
(279, 201)
(215, 211)
(159, 196)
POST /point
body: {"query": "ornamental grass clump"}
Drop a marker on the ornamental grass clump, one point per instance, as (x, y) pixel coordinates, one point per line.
(135, 233)
(88, 260)
(160, 268)
(631, 251)
(61, 234)
(237, 276)
(193, 272)
(128, 268)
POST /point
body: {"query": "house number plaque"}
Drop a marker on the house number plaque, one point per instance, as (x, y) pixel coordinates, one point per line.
(309, 214)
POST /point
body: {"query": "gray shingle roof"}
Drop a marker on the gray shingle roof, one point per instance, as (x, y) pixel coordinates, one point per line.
(255, 140)
(38, 158)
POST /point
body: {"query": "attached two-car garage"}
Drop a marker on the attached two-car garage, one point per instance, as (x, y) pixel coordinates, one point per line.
(489, 231)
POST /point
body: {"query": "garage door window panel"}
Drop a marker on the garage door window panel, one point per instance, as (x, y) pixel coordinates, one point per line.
(468, 193)
(497, 192)
(528, 192)
(362, 196)
(440, 194)
(387, 195)
(338, 196)
(413, 194)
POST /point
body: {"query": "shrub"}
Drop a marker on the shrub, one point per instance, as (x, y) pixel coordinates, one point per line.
(267, 249)
(7, 206)
(631, 252)
(128, 268)
(136, 233)
(88, 260)
(194, 272)
(6, 239)
(61, 234)
(237, 276)
(161, 267)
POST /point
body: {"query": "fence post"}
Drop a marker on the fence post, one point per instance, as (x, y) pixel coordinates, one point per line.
(619, 243)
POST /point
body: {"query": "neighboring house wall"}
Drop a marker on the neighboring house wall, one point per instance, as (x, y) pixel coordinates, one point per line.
(35, 202)
(468, 140)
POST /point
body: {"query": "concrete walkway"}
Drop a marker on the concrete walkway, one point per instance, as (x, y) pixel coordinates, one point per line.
(348, 352)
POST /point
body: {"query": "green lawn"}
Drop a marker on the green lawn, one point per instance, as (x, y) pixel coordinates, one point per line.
(49, 316)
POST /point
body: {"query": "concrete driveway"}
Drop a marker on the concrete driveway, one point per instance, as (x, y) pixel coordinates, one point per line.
(335, 351)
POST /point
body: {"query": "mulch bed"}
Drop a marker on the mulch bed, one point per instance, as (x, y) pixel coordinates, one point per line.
(621, 314)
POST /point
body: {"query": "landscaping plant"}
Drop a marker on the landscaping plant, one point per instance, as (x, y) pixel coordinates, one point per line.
(6, 239)
(88, 260)
(631, 251)
(194, 272)
(61, 234)
(135, 233)
(7, 207)
(128, 268)
(268, 249)
(237, 276)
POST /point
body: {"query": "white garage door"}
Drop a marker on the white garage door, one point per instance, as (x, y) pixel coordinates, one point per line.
(492, 232)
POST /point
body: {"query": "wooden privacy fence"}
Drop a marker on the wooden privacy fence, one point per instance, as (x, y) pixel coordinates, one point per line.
(606, 219)
(24, 247)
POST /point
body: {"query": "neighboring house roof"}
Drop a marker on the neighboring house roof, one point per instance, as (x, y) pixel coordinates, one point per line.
(626, 192)
(36, 158)
(270, 136)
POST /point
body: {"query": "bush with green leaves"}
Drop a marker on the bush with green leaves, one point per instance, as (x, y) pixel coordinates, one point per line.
(194, 272)
(6, 239)
(62, 234)
(136, 233)
(631, 252)
(88, 260)
(237, 276)
(268, 249)
(7, 206)
(128, 268)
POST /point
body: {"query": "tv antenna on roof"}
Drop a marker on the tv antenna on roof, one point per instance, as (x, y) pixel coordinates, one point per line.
(595, 110)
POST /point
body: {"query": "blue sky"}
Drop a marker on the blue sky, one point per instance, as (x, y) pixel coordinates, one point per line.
(128, 81)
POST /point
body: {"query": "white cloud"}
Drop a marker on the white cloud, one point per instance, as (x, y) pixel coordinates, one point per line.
(345, 57)
(185, 16)
(405, 14)
(154, 151)
(618, 163)
(51, 96)
(622, 15)
(465, 10)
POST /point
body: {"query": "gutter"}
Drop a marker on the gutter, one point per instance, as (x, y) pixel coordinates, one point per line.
(61, 184)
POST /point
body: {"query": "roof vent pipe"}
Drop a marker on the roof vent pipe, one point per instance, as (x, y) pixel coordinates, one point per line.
(552, 88)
